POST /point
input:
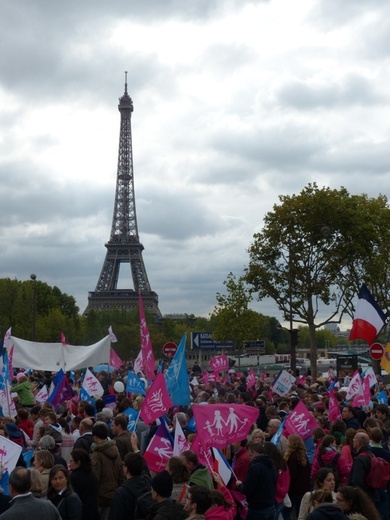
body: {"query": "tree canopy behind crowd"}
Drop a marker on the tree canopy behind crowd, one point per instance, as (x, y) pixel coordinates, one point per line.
(315, 250)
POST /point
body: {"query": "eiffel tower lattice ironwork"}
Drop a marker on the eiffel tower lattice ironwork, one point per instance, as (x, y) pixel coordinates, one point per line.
(124, 246)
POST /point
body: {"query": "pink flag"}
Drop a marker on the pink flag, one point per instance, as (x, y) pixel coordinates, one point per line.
(300, 422)
(115, 360)
(301, 380)
(264, 376)
(159, 450)
(270, 396)
(157, 401)
(217, 377)
(208, 377)
(146, 345)
(355, 386)
(334, 408)
(63, 339)
(204, 454)
(219, 363)
(366, 390)
(221, 424)
(251, 379)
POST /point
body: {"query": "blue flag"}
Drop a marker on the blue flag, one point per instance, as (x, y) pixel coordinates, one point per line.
(176, 376)
(382, 397)
(84, 396)
(134, 384)
(276, 438)
(133, 417)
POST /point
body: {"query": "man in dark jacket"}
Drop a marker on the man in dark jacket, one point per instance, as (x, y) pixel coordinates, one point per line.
(259, 486)
(361, 465)
(133, 498)
(349, 418)
(163, 507)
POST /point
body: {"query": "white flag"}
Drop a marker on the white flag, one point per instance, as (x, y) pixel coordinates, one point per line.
(9, 453)
(42, 395)
(138, 364)
(180, 443)
(91, 385)
(355, 386)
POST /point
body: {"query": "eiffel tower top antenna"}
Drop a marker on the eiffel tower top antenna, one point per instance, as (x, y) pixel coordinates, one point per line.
(125, 81)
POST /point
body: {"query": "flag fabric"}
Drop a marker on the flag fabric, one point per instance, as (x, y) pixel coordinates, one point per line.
(7, 337)
(62, 392)
(112, 335)
(219, 363)
(63, 339)
(157, 401)
(134, 385)
(110, 401)
(355, 386)
(115, 360)
(6, 401)
(283, 383)
(300, 422)
(27, 457)
(9, 454)
(42, 395)
(133, 418)
(264, 376)
(180, 442)
(221, 466)
(382, 397)
(138, 365)
(301, 380)
(148, 360)
(276, 438)
(222, 424)
(204, 454)
(159, 450)
(334, 408)
(85, 396)
(368, 319)
(92, 385)
(251, 379)
(385, 361)
(176, 376)
(5, 370)
(370, 374)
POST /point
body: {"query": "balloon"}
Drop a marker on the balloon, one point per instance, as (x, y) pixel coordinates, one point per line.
(119, 387)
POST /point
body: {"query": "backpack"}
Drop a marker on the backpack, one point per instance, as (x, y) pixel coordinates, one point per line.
(379, 475)
(142, 505)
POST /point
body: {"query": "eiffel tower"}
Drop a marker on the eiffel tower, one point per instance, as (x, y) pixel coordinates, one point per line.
(124, 246)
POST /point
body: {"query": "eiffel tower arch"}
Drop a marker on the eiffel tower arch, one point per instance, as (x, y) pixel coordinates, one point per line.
(124, 246)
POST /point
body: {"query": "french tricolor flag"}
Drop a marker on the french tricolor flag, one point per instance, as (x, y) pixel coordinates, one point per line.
(369, 318)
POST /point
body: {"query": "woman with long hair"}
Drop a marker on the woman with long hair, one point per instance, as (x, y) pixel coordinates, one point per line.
(43, 462)
(178, 470)
(327, 457)
(84, 482)
(60, 493)
(324, 507)
(325, 480)
(283, 477)
(299, 468)
(354, 500)
(347, 446)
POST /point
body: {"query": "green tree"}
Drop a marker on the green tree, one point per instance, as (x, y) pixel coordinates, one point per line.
(233, 320)
(312, 255)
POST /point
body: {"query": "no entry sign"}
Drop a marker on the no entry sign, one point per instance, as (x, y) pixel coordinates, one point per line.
(377, 350)
(169, 349)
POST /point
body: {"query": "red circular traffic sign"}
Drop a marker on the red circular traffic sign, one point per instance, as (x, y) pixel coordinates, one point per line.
(169, 349)
(377, 350)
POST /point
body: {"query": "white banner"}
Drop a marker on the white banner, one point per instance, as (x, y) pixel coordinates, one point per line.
(53, 356)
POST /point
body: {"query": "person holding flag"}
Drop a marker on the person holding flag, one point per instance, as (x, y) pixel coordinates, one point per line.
(260, 485)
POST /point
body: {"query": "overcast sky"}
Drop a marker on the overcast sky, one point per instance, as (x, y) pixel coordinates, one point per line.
(235, 103)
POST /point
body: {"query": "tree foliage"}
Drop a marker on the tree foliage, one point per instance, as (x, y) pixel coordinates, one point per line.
(314, 251)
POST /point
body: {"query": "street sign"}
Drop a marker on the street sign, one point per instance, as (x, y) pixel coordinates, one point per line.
(377, 350)
(255, 347)
(169, 349)
(203, 341)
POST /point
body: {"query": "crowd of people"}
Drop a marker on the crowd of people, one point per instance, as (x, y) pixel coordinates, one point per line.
(86, 464)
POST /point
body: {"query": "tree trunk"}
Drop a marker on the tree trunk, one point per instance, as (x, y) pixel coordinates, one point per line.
(313, 351)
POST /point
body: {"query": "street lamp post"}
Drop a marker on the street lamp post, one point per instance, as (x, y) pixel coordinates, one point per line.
(34, 280)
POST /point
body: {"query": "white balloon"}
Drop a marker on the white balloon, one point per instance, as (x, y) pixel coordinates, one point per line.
(119, 387)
